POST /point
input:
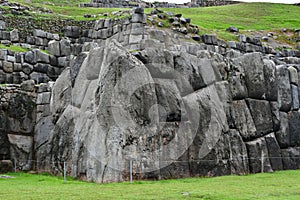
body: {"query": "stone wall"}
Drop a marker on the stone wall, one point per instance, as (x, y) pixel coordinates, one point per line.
(111, 4)
(176, 107)
(18, 115)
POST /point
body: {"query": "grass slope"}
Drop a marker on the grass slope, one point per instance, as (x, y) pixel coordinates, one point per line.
(278, 185)
(245, 16)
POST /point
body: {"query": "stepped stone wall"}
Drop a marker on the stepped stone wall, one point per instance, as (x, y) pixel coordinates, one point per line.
(126, 91)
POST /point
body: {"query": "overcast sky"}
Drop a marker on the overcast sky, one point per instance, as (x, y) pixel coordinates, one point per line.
(274, 1)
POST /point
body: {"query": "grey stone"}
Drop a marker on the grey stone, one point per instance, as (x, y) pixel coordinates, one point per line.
(30, 57)
(30, 40)
(262, 116)
(72, 31)
(233, 29)
(54, 48)
(61, 61)
(19, 57)
(27, 68)
(295, 97)
(293, 75)
(41, 41)
(243, 120)
(257, 150)
(14, 35)
(3, 54)
(254, 40)
(41, 67)
(28, 86)
(53, 60)
(43, 98)
(275, 115)
(21, 148)
(65, 47)
(254, 74)
(290, 158)
(39, 33)
(11, 59)
(42, 57)
(274, 152)
(17, 67)
(270, 80)
(138, 18)
(284, 88)
(75, 67)
(209, 39)
(294, 128)
(39, 77)
(6, 166)
(283, 135)
(7, 67)
(2, 25)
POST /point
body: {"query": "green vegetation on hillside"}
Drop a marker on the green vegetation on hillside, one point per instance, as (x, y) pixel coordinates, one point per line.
(278, 185)
(245, 16)
(13, 48)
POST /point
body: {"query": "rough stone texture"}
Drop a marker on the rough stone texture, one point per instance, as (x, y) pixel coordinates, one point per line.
(6, 166)
(175, 108)
(262, 116)
(284, 88)
(17, 126)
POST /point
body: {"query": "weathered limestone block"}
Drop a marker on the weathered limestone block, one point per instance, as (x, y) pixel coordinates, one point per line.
(39, 33)
(254, 74)
(199, 72)
(291, 158)
(21, 149)
(54, 47)
(14, 35)
(284, 88)
(238, 153)
(7, 67)
(39, 77)
(274, 152)
(3, 54)
(42, 57)
(295, 97)
(27, 68)
(283, 134)
(293, 73)
(6, 165)
(30, 57)
(41, 67)
(65, 47)
(258, 154)
(62, 61)
(2, 25)
(243, 120)
(27, 86)
(43, 98)
(209, 39)
(294, 128)
(270, 80)
(238, 83)
(275, 115)
(262, 116)
(72, 31)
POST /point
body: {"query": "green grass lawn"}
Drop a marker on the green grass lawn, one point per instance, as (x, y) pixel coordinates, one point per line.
(245, 16)
(278, 185)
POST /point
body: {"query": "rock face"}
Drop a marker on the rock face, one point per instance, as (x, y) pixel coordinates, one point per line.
(172, 113)
(18, 113)
(173, 108)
